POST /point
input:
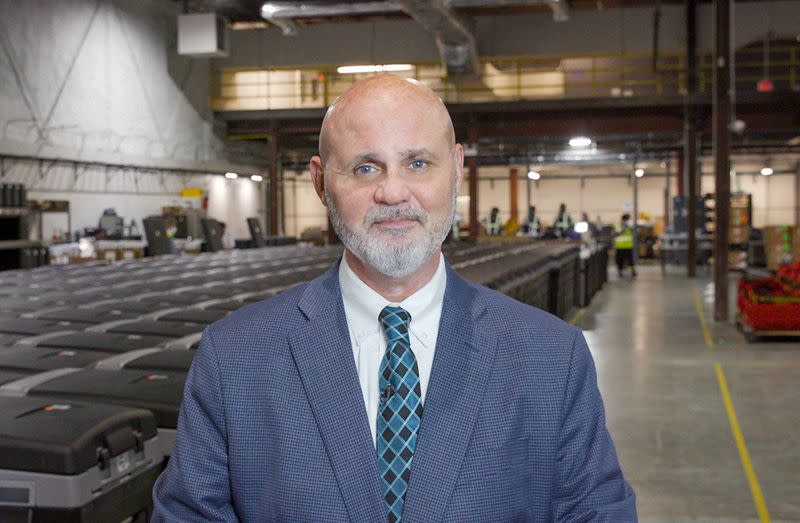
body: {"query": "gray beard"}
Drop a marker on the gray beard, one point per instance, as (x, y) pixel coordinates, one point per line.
(393, 259)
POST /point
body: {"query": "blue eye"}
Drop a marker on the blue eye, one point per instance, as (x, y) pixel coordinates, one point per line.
(418, 164)
(365, 169)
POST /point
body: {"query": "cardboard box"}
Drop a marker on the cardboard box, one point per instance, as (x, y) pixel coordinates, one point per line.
(778, 246)
(738, 235)
(737, 259)
(740, 218)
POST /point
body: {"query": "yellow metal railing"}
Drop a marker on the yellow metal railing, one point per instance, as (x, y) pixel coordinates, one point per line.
(505, 79)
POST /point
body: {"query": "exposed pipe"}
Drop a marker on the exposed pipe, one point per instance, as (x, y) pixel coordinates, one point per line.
(283, 10)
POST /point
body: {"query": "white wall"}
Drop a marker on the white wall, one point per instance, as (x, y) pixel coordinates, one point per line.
(102, 76)
(603, 197)
(233, 201)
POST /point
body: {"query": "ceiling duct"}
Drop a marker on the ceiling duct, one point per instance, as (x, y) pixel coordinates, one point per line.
(282, 12)
(454, 38)
(453, 34)
(278, 11)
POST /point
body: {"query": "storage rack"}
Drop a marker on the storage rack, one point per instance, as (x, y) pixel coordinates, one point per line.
(16, 250)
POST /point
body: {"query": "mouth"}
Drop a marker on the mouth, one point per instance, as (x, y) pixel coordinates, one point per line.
(396, 223)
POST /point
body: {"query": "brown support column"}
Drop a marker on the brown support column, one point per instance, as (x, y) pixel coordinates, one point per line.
(513, 192)
(797, 194)
(722, 160)
(690, 135)
(681, 172)
(668, 194)
(273, 185)
(472, 164)
(690, 138)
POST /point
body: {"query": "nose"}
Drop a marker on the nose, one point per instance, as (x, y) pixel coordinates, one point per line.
(392, 189)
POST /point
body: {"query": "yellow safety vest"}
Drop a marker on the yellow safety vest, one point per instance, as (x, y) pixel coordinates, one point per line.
(624, 239)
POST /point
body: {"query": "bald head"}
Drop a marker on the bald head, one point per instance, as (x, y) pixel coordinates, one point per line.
(382, 91)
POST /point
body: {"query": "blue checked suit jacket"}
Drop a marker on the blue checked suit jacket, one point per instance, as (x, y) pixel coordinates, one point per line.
(273, 425)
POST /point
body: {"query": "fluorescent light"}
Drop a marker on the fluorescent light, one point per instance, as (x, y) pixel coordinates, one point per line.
(391, 68)
(231, 176)
(256, 177)
(582, 227)
(767, 171)
(580, 141)
(386, 68)
(639, 173)
(533, 175)
(268, 10)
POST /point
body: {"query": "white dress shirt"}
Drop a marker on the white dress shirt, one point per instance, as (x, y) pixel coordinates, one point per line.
(362, 305)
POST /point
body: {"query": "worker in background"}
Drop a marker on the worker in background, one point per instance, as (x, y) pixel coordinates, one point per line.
(623, 245)
(593, 229)
(493, 223)
(532, 226)
(563, 224)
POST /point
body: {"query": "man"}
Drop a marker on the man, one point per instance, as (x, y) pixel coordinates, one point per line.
(494, 226)
(390, 388)
(532, 225)
(623, 246)
(563, 224)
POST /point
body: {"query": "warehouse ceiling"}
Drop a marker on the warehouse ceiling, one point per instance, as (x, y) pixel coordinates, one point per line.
(511, 133)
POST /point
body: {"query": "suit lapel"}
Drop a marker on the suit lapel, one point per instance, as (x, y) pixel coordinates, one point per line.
(461, 366)
(324, 358)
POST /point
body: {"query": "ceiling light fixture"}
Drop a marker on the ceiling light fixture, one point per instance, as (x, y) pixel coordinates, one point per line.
(231, 176)
(580, 141)
(386, 68)
(533, 175)
(268, 10)
(767, 171)
(257, 178)
(639, 173)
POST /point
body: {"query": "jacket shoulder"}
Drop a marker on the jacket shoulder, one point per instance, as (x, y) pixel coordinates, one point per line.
(272, 317)
(523, 318)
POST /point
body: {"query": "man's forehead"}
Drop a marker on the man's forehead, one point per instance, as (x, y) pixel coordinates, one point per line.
(386, 104)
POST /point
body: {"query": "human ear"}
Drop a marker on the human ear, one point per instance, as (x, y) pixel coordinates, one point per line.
(318, 178)
(458, 158)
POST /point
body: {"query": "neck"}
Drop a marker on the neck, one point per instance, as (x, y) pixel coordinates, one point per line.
(394, 289)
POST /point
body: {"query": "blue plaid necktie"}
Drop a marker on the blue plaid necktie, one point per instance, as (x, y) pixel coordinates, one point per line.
(400, 410)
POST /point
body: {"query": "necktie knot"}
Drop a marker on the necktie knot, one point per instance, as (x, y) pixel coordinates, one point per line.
(395, 322)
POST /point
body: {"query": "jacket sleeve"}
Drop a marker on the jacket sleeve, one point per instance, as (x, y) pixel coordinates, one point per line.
(589, 482)
(195, 486)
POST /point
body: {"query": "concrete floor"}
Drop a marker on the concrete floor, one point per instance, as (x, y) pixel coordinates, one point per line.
(665, 407)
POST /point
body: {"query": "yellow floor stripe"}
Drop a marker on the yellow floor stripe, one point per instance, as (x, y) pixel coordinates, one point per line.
(698, 303)
(578, 315)
(747, 465)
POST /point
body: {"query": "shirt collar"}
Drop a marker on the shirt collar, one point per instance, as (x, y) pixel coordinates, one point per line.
(363, 304)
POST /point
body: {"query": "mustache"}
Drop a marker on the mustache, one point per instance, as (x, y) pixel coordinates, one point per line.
(378, 214)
